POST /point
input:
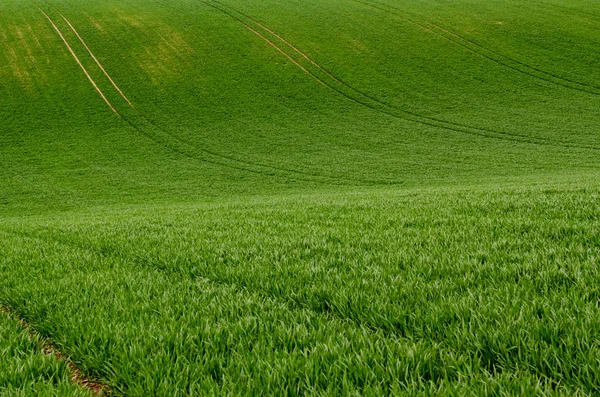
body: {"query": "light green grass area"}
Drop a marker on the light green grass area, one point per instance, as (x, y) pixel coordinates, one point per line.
(25, 370)
(442, 292)
(323, 197)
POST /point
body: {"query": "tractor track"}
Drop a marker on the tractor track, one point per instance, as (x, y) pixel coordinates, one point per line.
(116, 87)
(348, 96)
(78, 61)
(373, 103)
(518, 66)
(187, 150)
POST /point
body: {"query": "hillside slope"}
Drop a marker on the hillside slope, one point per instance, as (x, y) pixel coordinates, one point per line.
(322, 197)
(202, 98)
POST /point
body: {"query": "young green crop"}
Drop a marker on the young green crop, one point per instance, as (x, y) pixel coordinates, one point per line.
(332, 197)
(323, 295)
(25, 370)
(230, 99)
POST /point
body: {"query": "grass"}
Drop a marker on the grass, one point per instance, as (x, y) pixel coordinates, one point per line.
(354, 197)
(233, 116)
(323, 295)
(25, 370)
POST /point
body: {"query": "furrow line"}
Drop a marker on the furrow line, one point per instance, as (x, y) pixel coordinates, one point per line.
(97, 389)
(408, 115)
(116, 87)
(325, 178)
(545, 76)
(78, 61)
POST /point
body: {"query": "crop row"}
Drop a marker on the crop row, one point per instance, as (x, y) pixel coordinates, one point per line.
(329, 296)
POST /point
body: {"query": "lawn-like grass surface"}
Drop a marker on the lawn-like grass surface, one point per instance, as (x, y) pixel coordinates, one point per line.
(301, 197)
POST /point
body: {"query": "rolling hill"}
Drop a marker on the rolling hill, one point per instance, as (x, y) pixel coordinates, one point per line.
(301, 197)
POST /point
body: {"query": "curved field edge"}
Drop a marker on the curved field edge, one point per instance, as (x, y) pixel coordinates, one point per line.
(445, 292)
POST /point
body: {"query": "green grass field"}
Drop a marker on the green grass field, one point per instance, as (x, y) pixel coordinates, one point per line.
(322, 197)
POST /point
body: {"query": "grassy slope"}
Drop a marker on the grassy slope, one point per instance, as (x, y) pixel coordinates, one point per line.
(232, 110)
(251, 227)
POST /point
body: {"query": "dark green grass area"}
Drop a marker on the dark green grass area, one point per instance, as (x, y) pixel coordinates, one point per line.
(323, 197)
(25, 370)
(259, 98)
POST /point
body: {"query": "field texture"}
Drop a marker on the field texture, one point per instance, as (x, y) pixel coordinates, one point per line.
(292, 197)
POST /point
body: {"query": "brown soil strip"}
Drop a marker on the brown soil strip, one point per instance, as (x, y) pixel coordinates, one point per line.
(79, 62)
(77, 376)
(96, 60)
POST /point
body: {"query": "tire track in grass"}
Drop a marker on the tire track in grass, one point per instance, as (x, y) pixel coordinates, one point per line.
(314, 76)
(78, 61)
(185, 153)
(98, 389)
(357, 96)
(484, 52)
(183, 148)
(210, 152)
(100, 91)
(285, 54)
(115, 86)
(549, 77)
